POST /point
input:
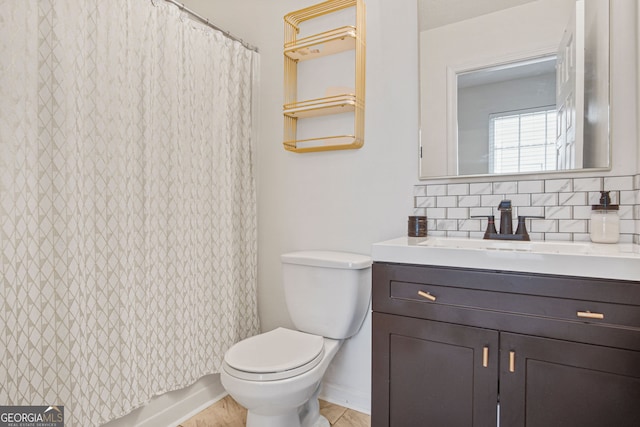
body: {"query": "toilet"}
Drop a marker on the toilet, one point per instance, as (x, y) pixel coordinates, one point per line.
(276, 375)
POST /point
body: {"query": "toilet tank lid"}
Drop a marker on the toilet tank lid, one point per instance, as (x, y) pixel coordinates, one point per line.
(329, 259)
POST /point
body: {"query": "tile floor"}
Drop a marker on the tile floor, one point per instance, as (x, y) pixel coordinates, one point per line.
(227, 413)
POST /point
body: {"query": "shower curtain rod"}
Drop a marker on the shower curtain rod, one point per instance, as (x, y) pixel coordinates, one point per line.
(210, 24)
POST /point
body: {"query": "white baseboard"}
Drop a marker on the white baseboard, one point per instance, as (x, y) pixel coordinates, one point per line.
(173, 408)
(348, 398)
(170, 409)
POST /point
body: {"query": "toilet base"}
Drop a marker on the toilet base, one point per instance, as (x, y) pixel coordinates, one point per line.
(322, 422)
(289, 420)
(308, 415)
(282, 420)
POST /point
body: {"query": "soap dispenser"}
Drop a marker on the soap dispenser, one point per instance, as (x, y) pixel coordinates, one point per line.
(605, 222)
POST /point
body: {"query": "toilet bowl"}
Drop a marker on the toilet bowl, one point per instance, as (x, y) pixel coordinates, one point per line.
(280, 392)
(277, 375)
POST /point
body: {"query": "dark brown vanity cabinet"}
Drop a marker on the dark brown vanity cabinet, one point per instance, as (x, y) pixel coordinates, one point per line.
(458, 347)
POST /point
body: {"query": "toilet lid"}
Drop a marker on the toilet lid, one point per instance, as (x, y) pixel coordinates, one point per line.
(280, 351)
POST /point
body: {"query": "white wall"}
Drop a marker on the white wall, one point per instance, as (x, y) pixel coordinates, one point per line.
(343, 200)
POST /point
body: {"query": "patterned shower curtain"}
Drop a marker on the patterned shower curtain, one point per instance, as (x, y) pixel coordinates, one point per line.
(127, 211)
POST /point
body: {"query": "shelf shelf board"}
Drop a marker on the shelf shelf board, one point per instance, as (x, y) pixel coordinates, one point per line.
(329, 143)
(323, 44)
(321, 107)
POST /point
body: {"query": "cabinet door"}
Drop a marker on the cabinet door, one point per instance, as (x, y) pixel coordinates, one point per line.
(432, 374)
(567, 384)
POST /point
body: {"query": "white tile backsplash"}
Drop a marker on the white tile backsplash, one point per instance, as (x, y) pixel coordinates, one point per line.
(626, 198)
(480, 188)
(530, 210)
(425, 202)
(594, 198)
(480, 211)
(558, 185)
(446, 201)
(519, 199)
(458, 213)
(469, 225)
(419, 190)
(468, 201)
(505, 187)
(531, 186)
(582, 212)
(587, 184)
(626, 212)
(572, 199)
(558, 212)
(437, 190)
(490, 200)
(618, 183)
(544, 226)
(447, 224)
(627, 226)
(544, 199)
(565, 204)
(458, 189)
(572, 225)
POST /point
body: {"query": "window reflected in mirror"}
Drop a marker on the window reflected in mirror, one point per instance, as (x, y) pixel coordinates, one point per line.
(512, 110)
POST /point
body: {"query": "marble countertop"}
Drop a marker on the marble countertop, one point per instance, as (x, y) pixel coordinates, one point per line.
(585, 259)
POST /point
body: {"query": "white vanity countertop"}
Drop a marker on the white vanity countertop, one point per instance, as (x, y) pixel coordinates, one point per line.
(585, 259)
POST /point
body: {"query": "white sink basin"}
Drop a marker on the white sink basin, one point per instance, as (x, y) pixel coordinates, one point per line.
(566, 248)
(616, 261)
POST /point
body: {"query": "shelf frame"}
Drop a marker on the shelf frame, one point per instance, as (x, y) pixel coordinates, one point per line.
(312, 47)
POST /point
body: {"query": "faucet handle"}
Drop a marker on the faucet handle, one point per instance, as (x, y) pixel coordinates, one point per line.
(491, 225)
(522, 226)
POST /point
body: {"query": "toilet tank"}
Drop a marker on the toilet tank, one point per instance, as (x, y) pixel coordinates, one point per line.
(327, 292)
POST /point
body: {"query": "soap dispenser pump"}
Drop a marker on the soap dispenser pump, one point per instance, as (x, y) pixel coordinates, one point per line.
(605, 222)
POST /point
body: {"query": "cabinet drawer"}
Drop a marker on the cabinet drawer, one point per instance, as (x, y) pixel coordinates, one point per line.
(515, 303)
(529, 303)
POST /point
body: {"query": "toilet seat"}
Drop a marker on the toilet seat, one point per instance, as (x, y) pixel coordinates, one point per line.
(275, 355)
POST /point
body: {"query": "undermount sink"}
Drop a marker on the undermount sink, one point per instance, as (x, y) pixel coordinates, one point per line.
(610, 261)
(520, 246)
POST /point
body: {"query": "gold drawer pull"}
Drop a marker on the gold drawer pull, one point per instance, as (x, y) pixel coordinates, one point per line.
(427, 295)
(512, 361)
(485, 357)
(590, 315)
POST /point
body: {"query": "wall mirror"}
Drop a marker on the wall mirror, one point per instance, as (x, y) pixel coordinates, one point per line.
(513, 86)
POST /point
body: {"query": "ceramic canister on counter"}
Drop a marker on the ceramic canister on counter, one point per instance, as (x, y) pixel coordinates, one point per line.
(417, 226)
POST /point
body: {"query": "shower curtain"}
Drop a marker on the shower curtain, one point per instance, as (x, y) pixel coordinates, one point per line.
(127, 211)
